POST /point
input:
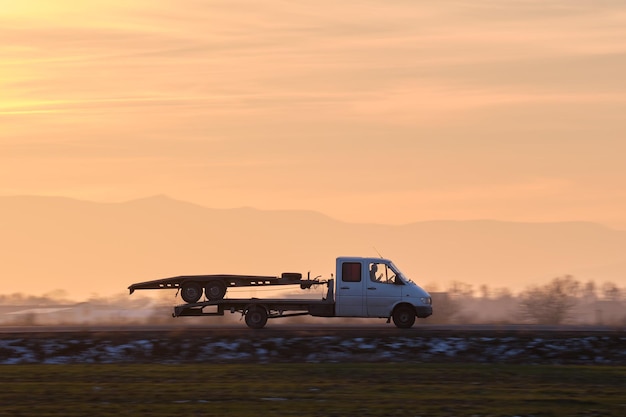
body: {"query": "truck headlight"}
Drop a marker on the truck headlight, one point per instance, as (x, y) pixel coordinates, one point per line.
(426, 300)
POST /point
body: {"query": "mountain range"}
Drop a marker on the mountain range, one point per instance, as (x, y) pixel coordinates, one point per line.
(87, 248)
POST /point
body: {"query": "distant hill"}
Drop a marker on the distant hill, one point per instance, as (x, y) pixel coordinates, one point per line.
(86, 248)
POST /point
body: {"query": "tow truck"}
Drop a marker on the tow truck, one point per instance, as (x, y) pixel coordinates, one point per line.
(362, 287)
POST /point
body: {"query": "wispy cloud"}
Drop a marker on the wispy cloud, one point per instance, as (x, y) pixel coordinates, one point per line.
(304, 96)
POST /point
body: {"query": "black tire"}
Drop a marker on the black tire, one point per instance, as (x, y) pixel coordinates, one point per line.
(404, 316)
(215, 290)
(191, 292)
(256, 317)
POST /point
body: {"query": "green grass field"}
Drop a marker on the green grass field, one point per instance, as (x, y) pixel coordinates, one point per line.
(379, 389)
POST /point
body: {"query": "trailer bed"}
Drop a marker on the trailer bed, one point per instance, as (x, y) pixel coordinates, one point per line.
(229, 280)
(215, 286)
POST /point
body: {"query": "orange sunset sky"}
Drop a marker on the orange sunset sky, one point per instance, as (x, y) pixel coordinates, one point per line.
(367, 111)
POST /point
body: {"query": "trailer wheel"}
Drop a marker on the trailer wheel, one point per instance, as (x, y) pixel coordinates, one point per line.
(404, 316)
(191, 292)
(215, 290)
(256, 317)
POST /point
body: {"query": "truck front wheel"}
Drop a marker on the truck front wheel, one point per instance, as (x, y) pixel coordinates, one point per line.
(191, 292)
(256, 317)
(404, 316)
(215, 290)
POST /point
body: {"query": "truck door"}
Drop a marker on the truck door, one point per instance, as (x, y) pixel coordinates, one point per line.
(349, 297)
(383, 289)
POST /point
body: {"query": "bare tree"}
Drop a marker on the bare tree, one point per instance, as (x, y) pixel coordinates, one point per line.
(589, 291)
(611, 292)
(459, 289)
(484, 291)
(551, 303)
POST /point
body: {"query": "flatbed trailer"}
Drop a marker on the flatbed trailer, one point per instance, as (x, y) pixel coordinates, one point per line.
(191, 287)
(257, 311)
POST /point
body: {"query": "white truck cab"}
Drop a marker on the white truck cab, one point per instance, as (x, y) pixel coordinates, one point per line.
(375, 287)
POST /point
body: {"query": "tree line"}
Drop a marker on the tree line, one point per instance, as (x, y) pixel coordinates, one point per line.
(563, 300)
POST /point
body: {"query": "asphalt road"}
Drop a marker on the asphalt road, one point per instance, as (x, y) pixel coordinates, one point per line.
(284, 329)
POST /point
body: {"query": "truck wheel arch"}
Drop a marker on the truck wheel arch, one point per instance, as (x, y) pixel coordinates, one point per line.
(404, 315)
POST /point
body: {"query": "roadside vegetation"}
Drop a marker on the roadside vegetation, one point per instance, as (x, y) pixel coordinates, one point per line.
(563, 300)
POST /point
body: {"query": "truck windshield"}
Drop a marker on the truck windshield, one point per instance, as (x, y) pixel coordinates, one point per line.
(399, 273)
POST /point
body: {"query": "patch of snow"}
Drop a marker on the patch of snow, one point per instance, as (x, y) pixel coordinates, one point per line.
(367, 346)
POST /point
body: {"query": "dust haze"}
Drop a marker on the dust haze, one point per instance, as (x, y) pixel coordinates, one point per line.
(562, 301)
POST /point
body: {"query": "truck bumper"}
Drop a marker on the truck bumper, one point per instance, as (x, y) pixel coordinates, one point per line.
(423, 311)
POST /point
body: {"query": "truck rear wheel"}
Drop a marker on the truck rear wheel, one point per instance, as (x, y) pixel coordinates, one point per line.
(191, 292)
(215, 290)
(256, 317)
(404, 316)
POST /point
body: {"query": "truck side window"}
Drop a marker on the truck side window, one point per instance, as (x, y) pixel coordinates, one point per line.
(375, 275)
(382, 273)
(351, 272)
